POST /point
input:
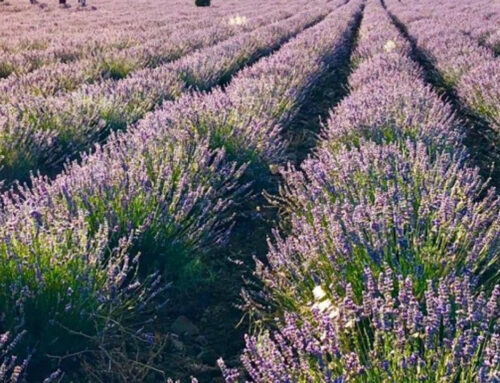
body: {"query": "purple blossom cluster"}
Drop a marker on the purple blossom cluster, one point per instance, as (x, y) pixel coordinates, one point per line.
(11, 371)
(471, 69)
(389, 195)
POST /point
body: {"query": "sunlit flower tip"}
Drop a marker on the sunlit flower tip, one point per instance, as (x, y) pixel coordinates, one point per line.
(237, 20)
(350, 323)
(334, 313)
(319, 293)
(323, 306)
(389, 46)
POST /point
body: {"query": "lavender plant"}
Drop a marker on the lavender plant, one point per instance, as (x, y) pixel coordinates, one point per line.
(479, 89)
(70, 246)
(393, 108)
(377, 205)
(71, 300)
(450, 334)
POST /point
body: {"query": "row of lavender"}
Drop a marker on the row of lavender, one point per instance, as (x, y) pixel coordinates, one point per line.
(23, 50)
(149, 45)
(472, 70)
(39, 133)
(479, 19)
(115, 64)
(166, 190)
(390, 271)
(117, 25)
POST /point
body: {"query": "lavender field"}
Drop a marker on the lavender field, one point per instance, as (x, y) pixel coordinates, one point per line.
(281, 191)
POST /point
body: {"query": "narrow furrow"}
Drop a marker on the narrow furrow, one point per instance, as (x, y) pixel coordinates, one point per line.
(302, 132)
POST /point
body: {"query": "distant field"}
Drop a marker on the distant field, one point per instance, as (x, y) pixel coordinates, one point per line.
(251, 191)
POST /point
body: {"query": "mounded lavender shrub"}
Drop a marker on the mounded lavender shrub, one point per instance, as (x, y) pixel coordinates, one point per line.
(70, 247)
(382, 204)
(373, 39)
(447, 334)
(245, 138)
(392, 109)
(382, 66)
(478, 19)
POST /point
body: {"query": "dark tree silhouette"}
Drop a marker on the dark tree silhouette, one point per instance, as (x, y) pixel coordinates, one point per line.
(202, 3)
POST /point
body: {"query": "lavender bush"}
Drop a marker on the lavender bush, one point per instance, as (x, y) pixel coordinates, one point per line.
(71, 246)
(377, 205)
(389, 335)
